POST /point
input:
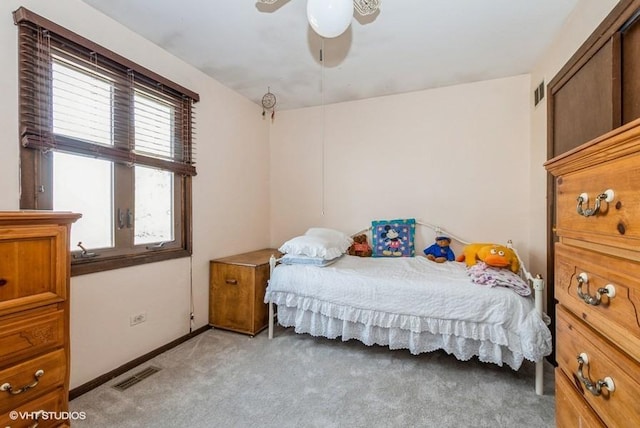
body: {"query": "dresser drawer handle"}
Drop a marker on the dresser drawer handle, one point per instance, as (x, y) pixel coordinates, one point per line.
(594, 388)
(231, 281)
(3, 282)
(7, 386)
(606, 196)
(608, 289)
(36, 417)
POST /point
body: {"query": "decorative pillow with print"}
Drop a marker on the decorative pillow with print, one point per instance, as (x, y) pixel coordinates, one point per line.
(393, 238)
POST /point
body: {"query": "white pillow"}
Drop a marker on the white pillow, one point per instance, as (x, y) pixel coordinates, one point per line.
(311, 246)
(291, 259)
(335, 237)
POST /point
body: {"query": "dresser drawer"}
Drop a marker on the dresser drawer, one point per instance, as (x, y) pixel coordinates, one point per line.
(617, 223)
(616, 317)
(33, 267)
(573, 337)
(26, 336)
(52, 403)
(33, 377)
(571, 409)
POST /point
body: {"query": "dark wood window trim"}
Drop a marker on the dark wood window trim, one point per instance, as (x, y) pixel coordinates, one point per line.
(34, 149)
(22, 14)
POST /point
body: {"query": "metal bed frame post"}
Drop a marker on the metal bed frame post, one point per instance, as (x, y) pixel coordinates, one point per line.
(538, 288)
(272, 265)
(537, 284)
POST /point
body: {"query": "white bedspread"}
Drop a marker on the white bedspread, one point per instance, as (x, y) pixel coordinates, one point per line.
(410, 303)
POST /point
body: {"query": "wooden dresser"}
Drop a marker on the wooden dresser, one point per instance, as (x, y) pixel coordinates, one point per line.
(34, 317)
(236, 294)
(597, 281)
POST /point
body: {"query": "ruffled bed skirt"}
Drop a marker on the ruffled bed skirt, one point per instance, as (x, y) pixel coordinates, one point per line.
(464, 340)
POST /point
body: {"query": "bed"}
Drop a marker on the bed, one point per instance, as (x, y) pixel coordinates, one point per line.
(411, 303)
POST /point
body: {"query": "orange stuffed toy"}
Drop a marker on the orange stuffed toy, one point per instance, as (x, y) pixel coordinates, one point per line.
(492, 254)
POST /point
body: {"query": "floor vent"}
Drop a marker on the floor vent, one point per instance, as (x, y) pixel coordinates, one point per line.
(138, 377)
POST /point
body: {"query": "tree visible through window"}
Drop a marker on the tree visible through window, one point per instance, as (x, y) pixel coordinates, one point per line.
(106, 138)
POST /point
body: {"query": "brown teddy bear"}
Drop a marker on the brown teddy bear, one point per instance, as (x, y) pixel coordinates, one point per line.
(360, 247)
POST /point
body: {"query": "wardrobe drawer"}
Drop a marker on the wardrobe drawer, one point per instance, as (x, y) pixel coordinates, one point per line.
(33, 267)
(601, 362)
(28, 414)
(571, 409)
(23, 337)
(617, 223)
(582, 271)
(31, 378)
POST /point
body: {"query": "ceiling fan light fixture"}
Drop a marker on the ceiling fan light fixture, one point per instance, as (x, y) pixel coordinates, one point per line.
(329, 18)
(366, 7)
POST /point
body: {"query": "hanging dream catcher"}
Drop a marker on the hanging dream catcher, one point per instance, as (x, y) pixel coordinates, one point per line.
(269, 103)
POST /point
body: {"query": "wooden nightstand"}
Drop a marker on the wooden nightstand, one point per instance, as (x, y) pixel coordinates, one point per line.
(236, 291)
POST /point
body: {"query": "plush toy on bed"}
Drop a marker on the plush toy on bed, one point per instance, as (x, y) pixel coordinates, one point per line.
(360, 247)
(494, 255)
(440, 252)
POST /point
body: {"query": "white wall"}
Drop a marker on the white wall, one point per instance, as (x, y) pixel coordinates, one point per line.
(426, 155)
(587, 15)
(455, 156)
(230, 199)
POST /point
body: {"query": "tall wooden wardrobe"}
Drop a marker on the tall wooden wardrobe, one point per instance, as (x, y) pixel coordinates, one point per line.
(594, 225)
(34, 318)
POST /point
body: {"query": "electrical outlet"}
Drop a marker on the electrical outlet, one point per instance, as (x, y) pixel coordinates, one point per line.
(138, 318)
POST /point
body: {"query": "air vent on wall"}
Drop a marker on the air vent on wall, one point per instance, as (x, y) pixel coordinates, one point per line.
(538, 94)
(138, 377)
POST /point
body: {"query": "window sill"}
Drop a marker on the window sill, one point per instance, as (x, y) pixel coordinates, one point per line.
(82, 267)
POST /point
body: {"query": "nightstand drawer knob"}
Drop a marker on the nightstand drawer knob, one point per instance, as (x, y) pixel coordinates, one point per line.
(3, 282)
(608, 289)
(594, 387)
(231, 281)
(7, 386)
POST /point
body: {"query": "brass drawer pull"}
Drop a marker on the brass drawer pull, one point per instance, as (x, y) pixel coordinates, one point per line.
(36, 418)
(606, 196)
(608, 289)
(594, 388)
(231, 281)
(7, 386)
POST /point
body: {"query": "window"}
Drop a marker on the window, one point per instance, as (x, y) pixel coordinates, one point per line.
(109, 139)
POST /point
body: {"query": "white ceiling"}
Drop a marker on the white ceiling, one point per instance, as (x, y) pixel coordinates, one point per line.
(408, 45)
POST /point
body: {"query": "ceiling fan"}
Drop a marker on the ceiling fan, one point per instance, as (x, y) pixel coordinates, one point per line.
(330, 18)
(364, 7)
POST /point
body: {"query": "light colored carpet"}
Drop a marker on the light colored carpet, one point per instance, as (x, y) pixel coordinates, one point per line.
(224, 379)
